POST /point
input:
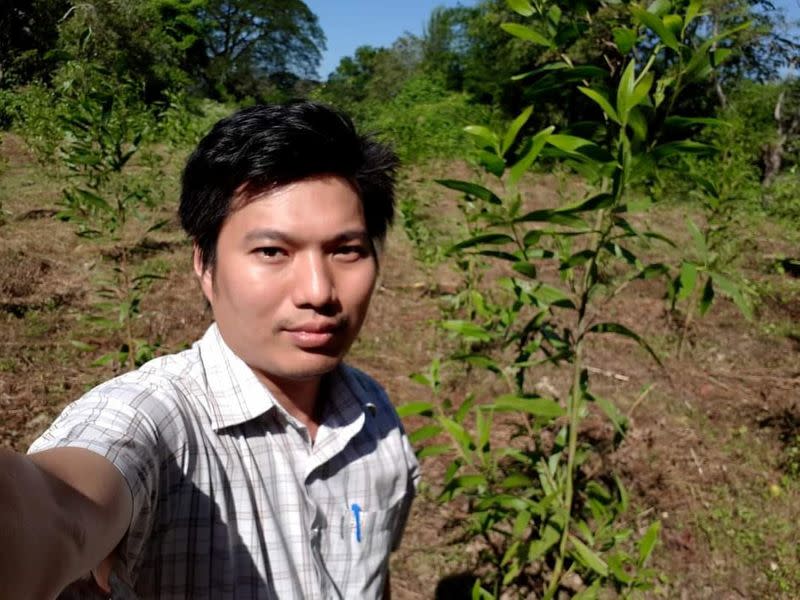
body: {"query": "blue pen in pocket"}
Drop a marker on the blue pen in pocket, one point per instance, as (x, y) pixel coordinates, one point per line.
(357, 517)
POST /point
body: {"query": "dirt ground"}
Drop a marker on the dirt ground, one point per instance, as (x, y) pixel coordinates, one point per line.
(712, 436)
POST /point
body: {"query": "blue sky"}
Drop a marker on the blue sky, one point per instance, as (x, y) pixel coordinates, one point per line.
(349, 24)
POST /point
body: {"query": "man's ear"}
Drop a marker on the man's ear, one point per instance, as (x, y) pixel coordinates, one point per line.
(204, 274)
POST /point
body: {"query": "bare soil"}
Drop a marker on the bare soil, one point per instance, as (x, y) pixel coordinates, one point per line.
(708, 451)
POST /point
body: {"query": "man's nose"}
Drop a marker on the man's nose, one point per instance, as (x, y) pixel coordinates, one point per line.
(313, 281)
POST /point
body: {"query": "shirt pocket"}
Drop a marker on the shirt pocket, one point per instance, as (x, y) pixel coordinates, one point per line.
(370, 532)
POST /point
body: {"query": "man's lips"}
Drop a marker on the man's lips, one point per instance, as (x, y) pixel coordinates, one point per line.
(313, 335)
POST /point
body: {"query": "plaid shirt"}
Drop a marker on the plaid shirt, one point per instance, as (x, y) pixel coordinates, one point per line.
(231, 499)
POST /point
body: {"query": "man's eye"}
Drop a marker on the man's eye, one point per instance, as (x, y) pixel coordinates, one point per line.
(353, 252)
(271, 252)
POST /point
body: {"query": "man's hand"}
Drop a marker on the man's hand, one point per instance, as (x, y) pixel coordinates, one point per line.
(62, 511)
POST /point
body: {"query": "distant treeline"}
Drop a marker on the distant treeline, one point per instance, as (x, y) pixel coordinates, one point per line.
(419, 91)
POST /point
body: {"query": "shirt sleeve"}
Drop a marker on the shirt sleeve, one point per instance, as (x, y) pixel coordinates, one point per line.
(110, 421)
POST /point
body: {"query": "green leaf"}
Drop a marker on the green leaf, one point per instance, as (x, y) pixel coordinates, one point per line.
(415, 408)
(458, 433)
(681, 122)
(111, 356)
(735, 292)
(492, 163)
(480, 593)
(708, 297)
(552, 216)
(587, 557)
(525, 268)
(638, 124)
(674, 23)
(480, 240)
(538, 141)
(521, 522)
(472, 189)
(602, 102)
(548, 539)
(648, 542)
(568, 143)
(554, 14)
(516, 480)
(652, 270)
(683, 147)
(526, 33)
(463, 410)
(686, 280)
(625, 89)
(590, 593)
(498, 254)
(421, 379)
(625, 39)
(468, 482)
(429, 451)
(657, 26)
(92, 200)
(622, 330)
(612, 412)
(659, 7)
(425, 432)
(467, 330)
(698, 238)
(595, 202)
(478, 360)
(642, 89)
(536, 405)
(522, 7)
(691, 13)
(485, 135)
(158, 225)
(579, 258)
(514, 128)
(548, 295)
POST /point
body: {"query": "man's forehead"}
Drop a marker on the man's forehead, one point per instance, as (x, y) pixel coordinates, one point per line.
(251, 191)
(291, 236)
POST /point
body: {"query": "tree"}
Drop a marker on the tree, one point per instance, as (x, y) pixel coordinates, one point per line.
(373, 74)
(28, 31)
(149, 42)
(246, 41)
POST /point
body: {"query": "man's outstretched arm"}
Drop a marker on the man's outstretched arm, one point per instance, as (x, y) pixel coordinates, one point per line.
(62, 511)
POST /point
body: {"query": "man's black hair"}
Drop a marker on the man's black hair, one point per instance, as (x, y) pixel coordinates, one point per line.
(263, 147)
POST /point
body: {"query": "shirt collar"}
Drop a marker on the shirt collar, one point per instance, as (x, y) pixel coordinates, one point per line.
(235, 394)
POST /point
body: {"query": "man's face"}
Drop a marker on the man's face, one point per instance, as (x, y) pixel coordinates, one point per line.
(293, 278)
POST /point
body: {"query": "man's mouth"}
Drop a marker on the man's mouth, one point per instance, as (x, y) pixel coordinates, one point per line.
(314, 334)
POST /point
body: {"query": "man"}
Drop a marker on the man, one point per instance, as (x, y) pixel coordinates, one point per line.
(255, 464)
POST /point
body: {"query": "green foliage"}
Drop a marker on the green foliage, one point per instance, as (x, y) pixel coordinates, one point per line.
(373, 75)
(146, 42)
(107, 205)
(533, 501)
(419, 120)
(34, 112)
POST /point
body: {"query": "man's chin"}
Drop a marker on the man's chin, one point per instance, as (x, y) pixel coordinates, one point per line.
(312, 365)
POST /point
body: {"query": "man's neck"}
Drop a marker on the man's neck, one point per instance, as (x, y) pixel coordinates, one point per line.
(300, 398)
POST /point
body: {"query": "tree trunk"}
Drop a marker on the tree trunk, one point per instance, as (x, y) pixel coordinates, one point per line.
(772, 153)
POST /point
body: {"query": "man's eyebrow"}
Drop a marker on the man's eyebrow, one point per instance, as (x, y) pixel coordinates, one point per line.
(275, 235)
